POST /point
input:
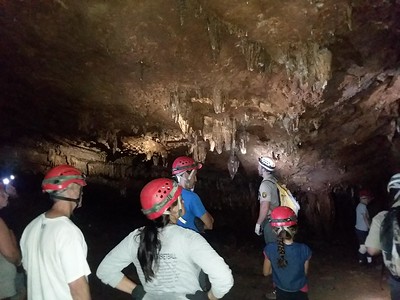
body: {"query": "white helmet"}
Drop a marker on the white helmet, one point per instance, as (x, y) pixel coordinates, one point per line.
(394, 183)
(267, 163)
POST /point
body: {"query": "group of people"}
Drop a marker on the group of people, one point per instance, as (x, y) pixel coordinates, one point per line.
(172, 258)
(288, 261)
(381, 234)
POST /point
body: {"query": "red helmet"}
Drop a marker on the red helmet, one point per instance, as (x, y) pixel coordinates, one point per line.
(365, 193)
(158, 195)
(183, 164)
(60, 177)
(283, 216)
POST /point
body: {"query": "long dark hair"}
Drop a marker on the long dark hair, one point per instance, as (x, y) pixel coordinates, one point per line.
(150, 245)
(286, 233)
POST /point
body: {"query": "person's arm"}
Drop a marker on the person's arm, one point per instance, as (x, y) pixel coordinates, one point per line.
(366, 219)
(212, 264)
(264, 207)
(306, 265)
(110, 268)
(373, 241)
(208, 221)
(8, 245)
(80, 289)
(373, 251)
(267, 267)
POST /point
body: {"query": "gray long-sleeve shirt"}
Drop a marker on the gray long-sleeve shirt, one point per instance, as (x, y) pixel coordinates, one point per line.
(183, 254)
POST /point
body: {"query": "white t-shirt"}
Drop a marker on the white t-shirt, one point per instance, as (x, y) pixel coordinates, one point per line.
(360, 221)
(53, 254)
(183, 254)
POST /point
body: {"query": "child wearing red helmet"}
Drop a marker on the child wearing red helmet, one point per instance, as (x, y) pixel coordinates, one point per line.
(285, 259)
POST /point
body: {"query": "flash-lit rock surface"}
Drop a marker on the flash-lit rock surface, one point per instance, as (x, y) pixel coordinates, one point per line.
(314, 84)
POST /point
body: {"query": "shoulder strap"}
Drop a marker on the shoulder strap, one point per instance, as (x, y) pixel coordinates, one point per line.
(387, 229)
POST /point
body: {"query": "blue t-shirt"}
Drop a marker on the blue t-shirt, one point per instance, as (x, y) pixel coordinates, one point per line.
(292, 278)
(194, 208)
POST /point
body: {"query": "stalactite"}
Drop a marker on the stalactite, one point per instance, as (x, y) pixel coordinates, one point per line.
(202, 151)
(243, 139)
(156, 159)
(233, 164)
(227, 133)
(256, 56)
(181, 108)
(181, 11)
(207, 132)
(213, 29)
(174, 105)
(218, 101)
(218, 135)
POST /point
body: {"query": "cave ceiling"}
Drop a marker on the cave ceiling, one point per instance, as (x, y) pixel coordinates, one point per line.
(314, 84)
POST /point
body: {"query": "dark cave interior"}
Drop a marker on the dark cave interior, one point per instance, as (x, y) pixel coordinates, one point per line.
(120, 88)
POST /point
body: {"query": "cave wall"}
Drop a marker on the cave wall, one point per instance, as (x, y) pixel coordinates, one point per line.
(232, 200)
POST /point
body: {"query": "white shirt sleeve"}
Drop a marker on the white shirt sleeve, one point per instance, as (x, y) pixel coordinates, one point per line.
(110, 269)
(73, 256)
(219, 273)
(373, 239)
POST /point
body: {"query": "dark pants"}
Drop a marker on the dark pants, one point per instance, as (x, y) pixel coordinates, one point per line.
(394, 288)
(362, 236)
(269, 234)
(283, 295)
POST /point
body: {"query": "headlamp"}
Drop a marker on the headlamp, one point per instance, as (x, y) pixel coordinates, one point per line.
(8, 179)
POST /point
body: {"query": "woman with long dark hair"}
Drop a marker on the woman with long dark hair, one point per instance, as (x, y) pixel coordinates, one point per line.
(168, 258)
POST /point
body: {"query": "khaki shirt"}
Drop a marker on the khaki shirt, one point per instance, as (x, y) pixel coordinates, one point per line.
(268, 191)
(373, 239)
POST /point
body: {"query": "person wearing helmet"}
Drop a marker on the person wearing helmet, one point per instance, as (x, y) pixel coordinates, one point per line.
(53, 248)
(167, 258)
(362, 225)
(196, 217)
(268, 197)
(285, 259)
(381, 236)
(10, 256)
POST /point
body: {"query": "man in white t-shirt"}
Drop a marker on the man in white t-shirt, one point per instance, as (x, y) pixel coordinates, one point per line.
(53, 248)
(362, 225)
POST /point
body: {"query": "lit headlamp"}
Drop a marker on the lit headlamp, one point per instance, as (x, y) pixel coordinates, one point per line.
(8, 179)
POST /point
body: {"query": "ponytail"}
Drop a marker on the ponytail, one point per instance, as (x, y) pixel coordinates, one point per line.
(150, 246)
(284, 233)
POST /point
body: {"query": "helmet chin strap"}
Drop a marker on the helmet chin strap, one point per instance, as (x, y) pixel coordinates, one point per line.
(76, 200)
(180, 210)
